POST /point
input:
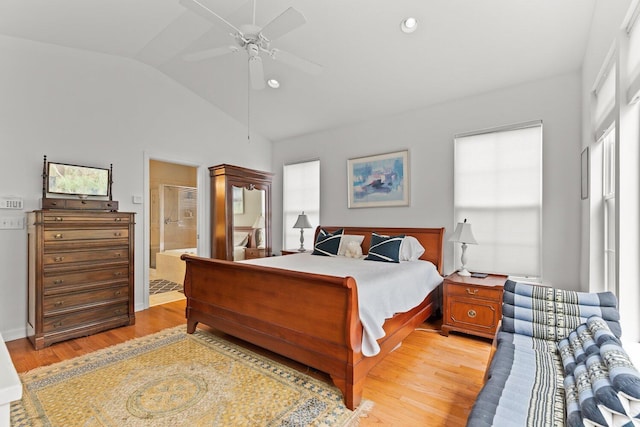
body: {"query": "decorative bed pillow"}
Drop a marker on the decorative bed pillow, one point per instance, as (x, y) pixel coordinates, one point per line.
(240, 239)
(410, 249)
(344, 241)
(327, 244)
(384, 248)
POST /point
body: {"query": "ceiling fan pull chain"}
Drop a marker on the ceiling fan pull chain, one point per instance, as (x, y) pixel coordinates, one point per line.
(249, 100)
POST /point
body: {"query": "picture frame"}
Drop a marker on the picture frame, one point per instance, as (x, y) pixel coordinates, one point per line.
(378, 181)
(584, 174)
(238, 200)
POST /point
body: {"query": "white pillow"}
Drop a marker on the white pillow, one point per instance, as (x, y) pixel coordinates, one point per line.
(240, 239)
(410, 249)
(346, 238)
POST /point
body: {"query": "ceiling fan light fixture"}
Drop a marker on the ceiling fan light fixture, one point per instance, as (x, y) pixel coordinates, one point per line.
(273, 83)
(409, 25)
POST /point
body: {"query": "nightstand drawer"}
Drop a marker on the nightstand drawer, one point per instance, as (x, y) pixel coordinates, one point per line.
(465, 290)
(474, 314)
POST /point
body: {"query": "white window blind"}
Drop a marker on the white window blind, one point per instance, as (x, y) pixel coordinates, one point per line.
(301, 192)
(633, 56)
(498, 189)
(605, 96)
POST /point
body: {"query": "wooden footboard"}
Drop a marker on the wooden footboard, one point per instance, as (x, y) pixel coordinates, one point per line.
(310, 318)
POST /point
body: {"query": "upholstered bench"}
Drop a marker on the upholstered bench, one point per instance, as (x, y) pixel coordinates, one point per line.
(558, 361)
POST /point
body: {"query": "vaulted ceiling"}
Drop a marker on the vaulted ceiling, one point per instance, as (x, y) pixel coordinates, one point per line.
(370, 67)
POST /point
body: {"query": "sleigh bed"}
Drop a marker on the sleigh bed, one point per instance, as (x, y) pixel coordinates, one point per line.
(310, 318)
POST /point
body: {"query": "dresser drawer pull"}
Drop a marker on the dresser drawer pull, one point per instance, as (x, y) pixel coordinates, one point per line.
(58, 259)
(472, 292)
(117, 219)
(471, 313)
(58, 281)
(58, 236)
(59, 218)
(57, 324)
(117, 273)
(118, 255)
(116, 293)
(117, 234)
(118, 311)
(58, 303)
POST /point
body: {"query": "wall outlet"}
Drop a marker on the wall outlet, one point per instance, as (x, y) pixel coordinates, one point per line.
(11, 203)
(12, 223)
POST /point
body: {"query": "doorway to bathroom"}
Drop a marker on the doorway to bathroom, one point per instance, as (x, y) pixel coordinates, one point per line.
(173, 222)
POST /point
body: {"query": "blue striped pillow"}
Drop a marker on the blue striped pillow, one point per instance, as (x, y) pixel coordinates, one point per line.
(384, 248)
(327, 244)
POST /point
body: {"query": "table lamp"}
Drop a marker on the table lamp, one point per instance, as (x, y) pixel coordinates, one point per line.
(259, 225)
(302, 223)
(463, 235)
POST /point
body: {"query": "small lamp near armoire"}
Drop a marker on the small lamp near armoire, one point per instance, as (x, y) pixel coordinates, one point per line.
(258, 226)
(302, 222)
(463, 234)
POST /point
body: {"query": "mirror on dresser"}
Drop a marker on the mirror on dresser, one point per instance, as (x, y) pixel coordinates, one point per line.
(240, 212)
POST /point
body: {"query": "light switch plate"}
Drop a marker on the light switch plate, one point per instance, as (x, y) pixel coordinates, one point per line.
(11, 203)
(12, 223)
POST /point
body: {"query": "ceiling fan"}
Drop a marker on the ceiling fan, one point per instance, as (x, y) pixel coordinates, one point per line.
(254, 40)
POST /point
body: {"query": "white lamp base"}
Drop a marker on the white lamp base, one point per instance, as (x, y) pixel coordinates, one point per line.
(464, 272)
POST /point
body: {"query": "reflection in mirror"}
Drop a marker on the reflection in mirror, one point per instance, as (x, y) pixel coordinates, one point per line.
(248, 220)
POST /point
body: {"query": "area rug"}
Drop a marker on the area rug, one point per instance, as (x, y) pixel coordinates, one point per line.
(172, 378)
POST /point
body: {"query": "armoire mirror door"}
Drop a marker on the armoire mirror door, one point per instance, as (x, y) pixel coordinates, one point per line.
(240, 212)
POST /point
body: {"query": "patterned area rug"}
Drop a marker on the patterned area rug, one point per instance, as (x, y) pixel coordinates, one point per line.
(159, 286)
(172, 378)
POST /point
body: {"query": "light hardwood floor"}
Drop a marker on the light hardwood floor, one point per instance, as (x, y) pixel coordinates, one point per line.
(430, 380)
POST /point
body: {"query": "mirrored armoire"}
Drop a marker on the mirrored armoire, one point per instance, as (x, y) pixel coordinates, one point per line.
(240, 212)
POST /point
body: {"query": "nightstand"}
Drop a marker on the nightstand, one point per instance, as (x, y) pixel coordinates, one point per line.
(251, 253)
(291, 252)
(472, 305)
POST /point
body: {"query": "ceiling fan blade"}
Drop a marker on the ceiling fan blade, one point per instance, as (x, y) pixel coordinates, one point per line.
(256, 72)
(295, 61)
(210, 53)
(287, 21)
(200, 9)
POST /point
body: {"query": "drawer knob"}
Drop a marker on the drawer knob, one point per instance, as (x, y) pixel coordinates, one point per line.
(58, 303)
(117, 293)
(58, 236)
(117, 273)
(471, 313)
(58, 281)
(118, 311)
(118, 219)
(118, 255)
(57, 324)
(472, 291)
(59, 218)
(58, 258)
(117, 234)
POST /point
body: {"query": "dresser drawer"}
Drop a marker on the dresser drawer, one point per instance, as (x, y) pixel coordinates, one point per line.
(96, 255)
(62, 303)
(488, 292)
(85, 317)
(62, 235)
(102, 218)
(473, 314)
(85, 278)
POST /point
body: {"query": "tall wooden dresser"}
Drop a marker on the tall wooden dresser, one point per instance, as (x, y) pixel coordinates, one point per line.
(81, 273)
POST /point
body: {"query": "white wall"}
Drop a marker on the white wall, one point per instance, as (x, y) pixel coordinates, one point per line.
(428, 134)
(85, 108)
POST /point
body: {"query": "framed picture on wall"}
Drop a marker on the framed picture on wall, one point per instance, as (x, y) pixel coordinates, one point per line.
(584, 174)
(238, 200)
(379, 180)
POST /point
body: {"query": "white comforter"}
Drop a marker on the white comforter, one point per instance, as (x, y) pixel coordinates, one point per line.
(384, 289)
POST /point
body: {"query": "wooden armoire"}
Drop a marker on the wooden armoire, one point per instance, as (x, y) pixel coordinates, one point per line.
(223, 180)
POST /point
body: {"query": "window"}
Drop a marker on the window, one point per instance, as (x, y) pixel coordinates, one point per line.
(300, 192)
(609, 204)
(498, 189)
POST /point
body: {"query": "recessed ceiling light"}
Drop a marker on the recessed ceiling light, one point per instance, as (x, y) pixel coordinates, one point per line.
(273, 83)
(409, 25)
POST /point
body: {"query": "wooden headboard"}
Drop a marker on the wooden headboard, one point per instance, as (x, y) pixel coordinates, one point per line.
(430, 238)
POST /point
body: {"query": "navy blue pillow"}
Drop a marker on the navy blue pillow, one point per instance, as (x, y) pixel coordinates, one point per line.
(384, 248)
(327, 244)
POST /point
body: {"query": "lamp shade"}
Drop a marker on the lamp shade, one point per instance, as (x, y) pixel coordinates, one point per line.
(259, 222)
(302, 221)
(463, 234)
